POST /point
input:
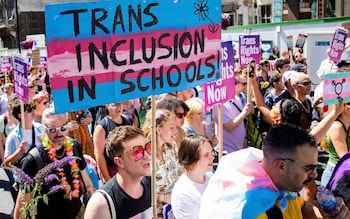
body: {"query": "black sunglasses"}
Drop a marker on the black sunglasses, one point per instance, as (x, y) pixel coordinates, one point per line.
(181, 115)
(306, 83)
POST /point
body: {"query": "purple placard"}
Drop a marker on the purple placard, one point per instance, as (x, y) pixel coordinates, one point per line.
(338, 44)
(43, 62)
(6, 64)
(20, 73)
(223, 89)
(249, 48)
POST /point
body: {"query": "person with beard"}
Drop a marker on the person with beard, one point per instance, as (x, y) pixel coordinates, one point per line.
(55, 146)
(106, 167)
(254, 183)
(130, 189)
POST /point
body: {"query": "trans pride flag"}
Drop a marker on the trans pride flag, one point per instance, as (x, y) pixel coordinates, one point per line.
(240, 188)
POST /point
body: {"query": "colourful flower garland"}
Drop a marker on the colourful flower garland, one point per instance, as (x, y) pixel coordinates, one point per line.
(68, 149)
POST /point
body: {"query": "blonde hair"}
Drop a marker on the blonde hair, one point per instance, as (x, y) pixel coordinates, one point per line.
(162, 115)
(195, 105)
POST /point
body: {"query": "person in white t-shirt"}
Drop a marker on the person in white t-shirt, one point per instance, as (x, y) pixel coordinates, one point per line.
(195, 155)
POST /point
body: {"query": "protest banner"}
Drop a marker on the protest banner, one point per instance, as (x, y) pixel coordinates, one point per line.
(223, 89)
(249, 49)
(336, 85)
(111, 51)
(20, 76)
(338, 44)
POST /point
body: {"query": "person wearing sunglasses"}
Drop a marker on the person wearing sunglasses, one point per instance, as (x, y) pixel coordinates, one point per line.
(56, 146)
(301, 84)
(253, 183)
(78, 129)
(234, 112)
(16, 145)
(180, 109)
(337, 142)
(168, 170)
(196, 156)
(130, 189)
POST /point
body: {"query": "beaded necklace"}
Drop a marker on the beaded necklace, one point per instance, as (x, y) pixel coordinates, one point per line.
(68, 150)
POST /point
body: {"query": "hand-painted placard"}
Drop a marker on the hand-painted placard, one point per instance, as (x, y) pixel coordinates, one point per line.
(111, 51)
(336, 85)
(20, 75)
(338, 44)
(249, 48)
(223, 89)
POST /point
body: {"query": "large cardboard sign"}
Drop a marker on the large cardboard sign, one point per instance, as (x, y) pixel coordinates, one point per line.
(111, 51)
(249, 49)
(223, 89)
(20, 74)
(336, 85)
(338, 44)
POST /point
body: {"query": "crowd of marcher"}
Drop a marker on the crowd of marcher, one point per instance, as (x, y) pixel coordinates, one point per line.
(105, 152)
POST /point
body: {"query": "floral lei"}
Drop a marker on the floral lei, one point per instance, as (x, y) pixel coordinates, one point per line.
(68, 149)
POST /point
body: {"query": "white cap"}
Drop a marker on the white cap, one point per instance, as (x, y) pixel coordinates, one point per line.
(287, 75)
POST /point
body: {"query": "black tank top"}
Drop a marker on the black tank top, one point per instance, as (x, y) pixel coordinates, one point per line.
(125, 205)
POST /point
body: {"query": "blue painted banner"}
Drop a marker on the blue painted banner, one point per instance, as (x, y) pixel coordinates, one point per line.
(111, 51)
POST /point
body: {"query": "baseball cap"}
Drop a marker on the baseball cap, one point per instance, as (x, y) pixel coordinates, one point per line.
(296, 67)
(287, 75)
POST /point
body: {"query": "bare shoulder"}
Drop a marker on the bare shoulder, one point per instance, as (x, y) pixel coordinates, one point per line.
(97, 207)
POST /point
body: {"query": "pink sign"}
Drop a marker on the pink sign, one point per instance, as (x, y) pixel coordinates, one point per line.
(338, 44)
(223, 89)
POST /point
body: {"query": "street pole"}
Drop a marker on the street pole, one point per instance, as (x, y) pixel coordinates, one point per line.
(17, 27)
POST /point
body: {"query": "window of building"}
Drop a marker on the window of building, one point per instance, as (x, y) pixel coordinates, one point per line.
(265, 11)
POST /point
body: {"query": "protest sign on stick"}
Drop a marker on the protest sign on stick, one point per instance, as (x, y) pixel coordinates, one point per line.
(111, 51)
(223, 89)
(338, 44)
(20, 76)
(300, 41)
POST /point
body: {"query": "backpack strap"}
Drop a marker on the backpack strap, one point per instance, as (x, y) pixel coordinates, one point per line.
(38, 160)
(109, 202)
(5, 123)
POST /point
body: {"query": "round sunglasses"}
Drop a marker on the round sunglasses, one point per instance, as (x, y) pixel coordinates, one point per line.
(139, 151)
